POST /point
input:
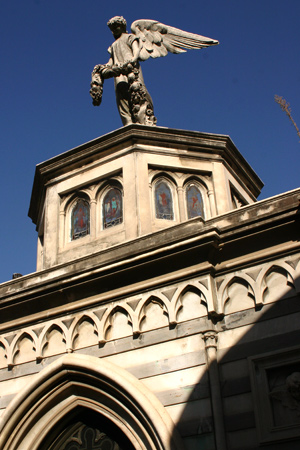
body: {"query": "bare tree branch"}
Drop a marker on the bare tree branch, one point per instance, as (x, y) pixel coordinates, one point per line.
(286, 108)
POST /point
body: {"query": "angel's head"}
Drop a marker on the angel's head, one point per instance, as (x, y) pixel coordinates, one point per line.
(117, 25)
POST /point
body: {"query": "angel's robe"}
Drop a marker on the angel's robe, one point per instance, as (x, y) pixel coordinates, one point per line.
(121, 52)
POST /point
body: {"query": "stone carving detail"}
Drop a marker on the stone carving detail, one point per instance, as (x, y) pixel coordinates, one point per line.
(119, 324)
(117, 320)
(96, 90)
(277, 283)
(24, 347)
(276, 390)
(289, 394)
(240, 295)
(293, 262)
(88, 438)
(191, 304)
(54, 340)
(3, 355)
(85, 333)
(195, 299)
(264, 284)
(139, 101)
(154, 315)
(149, 38)
(210, 339)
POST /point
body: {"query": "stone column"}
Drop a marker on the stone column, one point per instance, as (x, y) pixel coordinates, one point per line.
(221, 187)
(143, 203)
(131, 210)
(40, 253)
(62, 228)
(211, 201)
(51, 230)
(182, 213)
(152, 204)
(211, 340)
(93, 217)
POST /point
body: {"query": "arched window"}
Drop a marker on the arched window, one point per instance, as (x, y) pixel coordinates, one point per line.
(86, 403)
(80, 219)
(163, 201)
(90, 431)
(194, 201)
(112, 208)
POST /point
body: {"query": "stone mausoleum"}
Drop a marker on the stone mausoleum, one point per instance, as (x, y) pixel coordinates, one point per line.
(164, 312)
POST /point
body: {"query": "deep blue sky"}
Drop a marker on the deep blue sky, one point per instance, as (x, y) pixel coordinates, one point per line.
(49, 47)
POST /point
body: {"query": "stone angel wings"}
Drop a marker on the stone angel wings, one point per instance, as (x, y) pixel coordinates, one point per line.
(158, 39)
(148, 39)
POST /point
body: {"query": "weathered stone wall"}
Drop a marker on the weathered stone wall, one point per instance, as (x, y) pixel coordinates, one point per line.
(159, 337)
(204, 313)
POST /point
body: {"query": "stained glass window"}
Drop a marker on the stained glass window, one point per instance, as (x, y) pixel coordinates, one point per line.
(86, 431)
(194, 201)
(85, 436)
(80, 219)
(88, 438)
(112, 208)
(163, 201)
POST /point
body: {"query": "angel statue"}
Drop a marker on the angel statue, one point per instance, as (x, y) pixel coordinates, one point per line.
(149, 38)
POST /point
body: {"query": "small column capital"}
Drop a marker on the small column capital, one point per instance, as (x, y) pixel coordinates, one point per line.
(210, 339)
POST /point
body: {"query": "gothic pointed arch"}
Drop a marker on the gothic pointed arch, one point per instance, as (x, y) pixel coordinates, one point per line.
(111, 201)
(191, 303)
(3, 352)
(79, 217)
(238, 295)
(164, 198)
(118, 323)
(153, 314)
(277, 283)
(76, 386)
(84, 432)
(194, 199)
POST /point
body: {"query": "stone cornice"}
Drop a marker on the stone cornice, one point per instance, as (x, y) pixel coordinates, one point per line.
(249, 235)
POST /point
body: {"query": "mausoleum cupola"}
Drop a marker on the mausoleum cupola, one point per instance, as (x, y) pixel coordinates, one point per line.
(132, 182)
